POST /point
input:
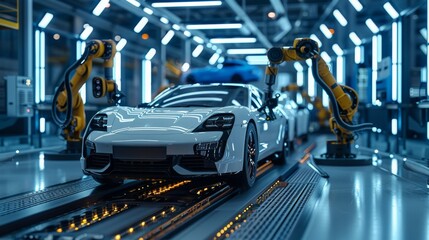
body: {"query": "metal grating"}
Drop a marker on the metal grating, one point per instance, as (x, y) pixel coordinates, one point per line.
(20, 202)
(279, 214)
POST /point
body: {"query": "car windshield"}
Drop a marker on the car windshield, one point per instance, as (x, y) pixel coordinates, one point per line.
(203, 96)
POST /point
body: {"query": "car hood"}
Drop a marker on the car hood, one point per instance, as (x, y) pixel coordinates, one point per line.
(156, 120)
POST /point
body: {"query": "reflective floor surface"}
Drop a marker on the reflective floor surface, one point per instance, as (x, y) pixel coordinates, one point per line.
(380, 201)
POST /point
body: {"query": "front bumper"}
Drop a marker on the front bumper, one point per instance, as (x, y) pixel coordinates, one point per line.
(181, 156)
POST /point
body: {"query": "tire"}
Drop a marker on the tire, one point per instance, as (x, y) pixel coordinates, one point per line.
(280, 157)
(236, 79)
(246, 178)
(107, 181)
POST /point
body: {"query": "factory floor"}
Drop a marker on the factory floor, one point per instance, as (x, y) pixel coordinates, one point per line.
(378, 201)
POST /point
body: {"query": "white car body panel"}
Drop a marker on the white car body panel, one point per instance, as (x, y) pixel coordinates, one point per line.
(173, 128)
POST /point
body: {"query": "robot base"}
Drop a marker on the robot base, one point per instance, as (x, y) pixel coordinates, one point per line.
(72, 152)
(339, 154)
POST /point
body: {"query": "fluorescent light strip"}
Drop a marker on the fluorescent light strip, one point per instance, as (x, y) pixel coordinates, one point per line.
(355, 39)
(391, 10)
(424, 33)
(424, 48)
(379, 47)
(198, 39)
(371, 25)
(298, 67)
(214, 58)
(233, 40)
(146, 81)
(141, 24)
(168, 36)
(197, 51)
(246, 51)
(325, 99)
(257, 58)
(256, 63)
(356, 4)
(42, 125)
(340, 69)
(100, 7)
(187, 4)
(176, 27)
(164, 20)
(80, 47)
(117, 69)
(337, 49)
(219, 50)
(358, 54)
(394, 61)
(86, 32)
(121, 44)
(299, 99)
(311, 85)
(221, 60)
(325, 30)
(214, 26)
(187, 33)
(427, 54)
(148, 11)
(37, 65)
(150, 54)
(340, 18)
(42, 65)
(400, 62)
(45, 20)
(300, 79)
(394, 126)
(185, 67)
(326, 57)
(135, 3)
(315, 38)
(214, 47)
(374, 71)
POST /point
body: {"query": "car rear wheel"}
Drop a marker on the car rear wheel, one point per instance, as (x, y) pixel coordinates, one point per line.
(107, 181)
(246, 178)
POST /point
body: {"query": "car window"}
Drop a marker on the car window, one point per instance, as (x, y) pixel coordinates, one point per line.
(256, 101)
(203, 96)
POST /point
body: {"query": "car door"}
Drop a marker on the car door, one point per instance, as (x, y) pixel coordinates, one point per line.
(268, 131)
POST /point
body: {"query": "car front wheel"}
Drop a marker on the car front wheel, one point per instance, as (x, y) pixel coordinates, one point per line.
(246, 178)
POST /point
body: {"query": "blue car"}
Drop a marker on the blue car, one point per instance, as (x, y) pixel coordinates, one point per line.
(235, 71)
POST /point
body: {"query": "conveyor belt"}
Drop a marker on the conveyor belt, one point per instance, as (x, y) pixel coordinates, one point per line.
(20, 202)
(277, 217)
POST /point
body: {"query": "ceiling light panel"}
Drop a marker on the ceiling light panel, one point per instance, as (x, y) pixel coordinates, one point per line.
(187, 4)
(214, 26)
(233, 40)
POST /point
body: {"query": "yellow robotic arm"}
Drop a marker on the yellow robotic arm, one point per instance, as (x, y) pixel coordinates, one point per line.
(343, 98)
(67, 98)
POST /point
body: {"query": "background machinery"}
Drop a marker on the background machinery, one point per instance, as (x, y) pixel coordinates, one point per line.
(344, 100)
(68, 107)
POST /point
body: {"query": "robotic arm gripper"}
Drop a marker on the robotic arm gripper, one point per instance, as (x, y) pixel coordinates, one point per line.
(343, 98)
(67, 99)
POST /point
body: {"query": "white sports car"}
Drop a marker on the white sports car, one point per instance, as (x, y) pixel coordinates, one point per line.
(186, 131)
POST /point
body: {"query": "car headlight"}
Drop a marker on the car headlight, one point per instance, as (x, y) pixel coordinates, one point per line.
(218, 122)
(99, 122)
